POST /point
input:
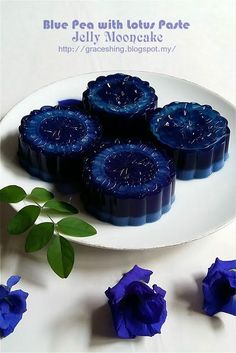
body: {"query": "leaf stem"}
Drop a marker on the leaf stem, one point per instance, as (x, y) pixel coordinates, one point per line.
(56, 232)
(51, 219)
(60, 251)
(38, 204)
(41, 208)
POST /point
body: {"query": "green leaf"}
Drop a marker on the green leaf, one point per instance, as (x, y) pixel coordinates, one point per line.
(75, 227)
(60, 206)
(12, 194)
(41, 195)
(39, 236)
(60, 256)
(24, 219)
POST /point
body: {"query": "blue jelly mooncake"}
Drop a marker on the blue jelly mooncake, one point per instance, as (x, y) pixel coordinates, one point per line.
(128, 183)
(195, 136)
(123, 102)
(54, 140)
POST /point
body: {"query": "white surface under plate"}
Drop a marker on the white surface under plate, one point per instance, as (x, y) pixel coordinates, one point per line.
(201, 206)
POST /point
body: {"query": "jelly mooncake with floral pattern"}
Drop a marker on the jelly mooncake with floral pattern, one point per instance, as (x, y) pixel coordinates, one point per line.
(126, 182)
(195, 136)
(123, 102)
(54, 140)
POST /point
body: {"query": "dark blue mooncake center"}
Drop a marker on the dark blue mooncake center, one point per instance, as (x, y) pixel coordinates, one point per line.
(130, 168)
(119, 93)
(190, 128)
(62, 130)
(188, 125)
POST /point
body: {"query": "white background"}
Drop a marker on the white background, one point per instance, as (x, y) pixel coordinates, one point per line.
(205, 53)
(69, 315)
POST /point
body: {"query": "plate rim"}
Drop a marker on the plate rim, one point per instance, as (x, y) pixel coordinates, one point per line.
(107, 72)
(115, 71)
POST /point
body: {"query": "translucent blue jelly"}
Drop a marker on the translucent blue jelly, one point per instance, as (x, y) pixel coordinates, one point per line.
(128, 183)
(54, 140)
(194, 135)
(71, 103)
(123, 102)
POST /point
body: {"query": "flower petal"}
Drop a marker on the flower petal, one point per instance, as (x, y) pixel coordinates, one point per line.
(219, 288)
(159, 290)
(4, 307)
(4, 291)
(230, 307)
(119, 322)
(139, 328)
(13, 320)
(116, 293)
(137, 309)
(212, 277)
(144, 302)
(12, 281)
(231, 275)
(211, 305)
(3, 322)
(225, 265)
(220, 265)
(17, 300)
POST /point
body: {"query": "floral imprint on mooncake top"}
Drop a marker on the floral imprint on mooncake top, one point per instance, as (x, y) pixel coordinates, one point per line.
(123, 102)
(195, 136)
(53, 141)
(128, 183)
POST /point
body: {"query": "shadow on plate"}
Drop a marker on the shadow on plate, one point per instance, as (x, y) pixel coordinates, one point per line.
(9, 146)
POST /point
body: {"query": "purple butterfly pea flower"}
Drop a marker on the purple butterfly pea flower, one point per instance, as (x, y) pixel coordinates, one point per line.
(137, 309)
(12, 306)
(219, 288)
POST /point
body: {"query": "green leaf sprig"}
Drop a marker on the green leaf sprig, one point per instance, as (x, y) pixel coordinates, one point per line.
(60, 253)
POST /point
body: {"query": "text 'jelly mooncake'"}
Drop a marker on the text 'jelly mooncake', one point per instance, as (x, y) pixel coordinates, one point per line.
(128, 183)
(53, 141)
(195, 136)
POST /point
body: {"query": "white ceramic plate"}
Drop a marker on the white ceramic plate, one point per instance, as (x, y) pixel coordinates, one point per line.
(201, 206)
